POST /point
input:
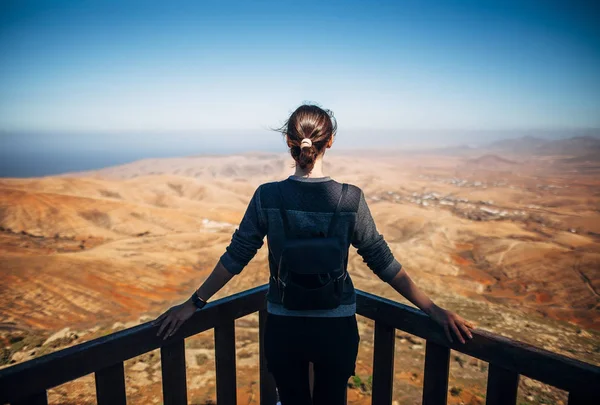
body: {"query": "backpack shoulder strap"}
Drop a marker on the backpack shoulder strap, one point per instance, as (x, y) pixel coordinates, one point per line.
(282, 211)
(336, 214)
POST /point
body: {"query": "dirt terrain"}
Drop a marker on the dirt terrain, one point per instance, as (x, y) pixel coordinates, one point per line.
(507, 236)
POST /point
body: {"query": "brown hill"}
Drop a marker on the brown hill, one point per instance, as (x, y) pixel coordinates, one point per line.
(114, 209)
(491, 162)
(518, 253)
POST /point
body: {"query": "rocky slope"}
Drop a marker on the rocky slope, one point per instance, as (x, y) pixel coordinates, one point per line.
(517, 251)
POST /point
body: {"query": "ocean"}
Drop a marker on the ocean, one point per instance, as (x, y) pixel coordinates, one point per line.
(37, 155)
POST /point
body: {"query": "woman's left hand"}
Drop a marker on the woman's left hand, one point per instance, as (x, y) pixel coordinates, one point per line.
(452, 322)
(173, 318)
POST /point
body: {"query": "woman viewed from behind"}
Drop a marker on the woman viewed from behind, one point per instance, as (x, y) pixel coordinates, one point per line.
(310, 221)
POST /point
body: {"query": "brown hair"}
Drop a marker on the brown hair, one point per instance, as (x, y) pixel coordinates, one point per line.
(308, 122)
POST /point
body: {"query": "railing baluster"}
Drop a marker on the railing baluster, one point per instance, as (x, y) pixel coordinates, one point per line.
(225, 362)
(268, 395)
(435, 381)
(172, 359)
(383, 364)
(41, 398)
(110, 385)
(502, 386)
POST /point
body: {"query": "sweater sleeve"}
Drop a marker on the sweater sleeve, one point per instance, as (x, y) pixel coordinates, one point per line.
(247, 239)
(371, 246)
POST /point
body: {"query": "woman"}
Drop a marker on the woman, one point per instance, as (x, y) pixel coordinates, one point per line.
(328, 338)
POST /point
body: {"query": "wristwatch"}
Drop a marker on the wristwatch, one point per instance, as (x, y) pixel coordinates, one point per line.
(198, 302)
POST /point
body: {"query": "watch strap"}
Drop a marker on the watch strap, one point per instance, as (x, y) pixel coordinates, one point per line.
(198, 302)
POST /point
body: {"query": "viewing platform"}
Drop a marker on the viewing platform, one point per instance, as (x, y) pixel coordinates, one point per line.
(27, 383)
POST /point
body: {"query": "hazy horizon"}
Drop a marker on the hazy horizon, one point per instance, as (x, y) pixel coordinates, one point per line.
(42, 154)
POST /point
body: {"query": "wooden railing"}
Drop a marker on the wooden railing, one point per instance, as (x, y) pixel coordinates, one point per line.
(27, 383)
(507, 358)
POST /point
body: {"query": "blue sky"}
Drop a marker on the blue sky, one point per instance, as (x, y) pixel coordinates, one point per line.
(109, 67)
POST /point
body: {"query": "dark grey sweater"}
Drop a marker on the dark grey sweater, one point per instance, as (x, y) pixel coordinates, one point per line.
(310, 204)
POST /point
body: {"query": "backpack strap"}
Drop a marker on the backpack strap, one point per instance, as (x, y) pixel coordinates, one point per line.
(284, 217)
(334, 220)
(337, 210)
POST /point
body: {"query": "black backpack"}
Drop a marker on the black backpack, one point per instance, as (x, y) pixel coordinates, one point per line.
(311, 269)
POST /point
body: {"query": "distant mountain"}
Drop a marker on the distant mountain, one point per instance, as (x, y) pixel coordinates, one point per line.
(526, 144)
(574, 146)
(587, 158)
(256, 166)
(458, 150)
(493, 162)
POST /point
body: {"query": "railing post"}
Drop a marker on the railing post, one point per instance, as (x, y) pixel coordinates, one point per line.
(435, 381)
(383, 364)
(268, 394)
(110, 385)
(502, 386)
(172, 358)
(225, 362)
(41, 398)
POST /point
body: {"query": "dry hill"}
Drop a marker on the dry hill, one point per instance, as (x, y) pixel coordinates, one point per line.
(517, 251)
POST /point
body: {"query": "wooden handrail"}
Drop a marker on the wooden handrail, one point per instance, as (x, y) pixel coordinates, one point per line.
(57, 368)
(563, 372)
(27, 382)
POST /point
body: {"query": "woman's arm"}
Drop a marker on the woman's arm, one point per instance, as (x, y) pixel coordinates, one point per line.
(245, 242)
(449, 320)
(175, 316)
(408, 289)
(378, 256)
(215, 281)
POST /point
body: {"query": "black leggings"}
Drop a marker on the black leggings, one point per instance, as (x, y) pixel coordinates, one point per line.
(331, 344)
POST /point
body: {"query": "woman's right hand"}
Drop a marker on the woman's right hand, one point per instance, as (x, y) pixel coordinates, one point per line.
(452, 322)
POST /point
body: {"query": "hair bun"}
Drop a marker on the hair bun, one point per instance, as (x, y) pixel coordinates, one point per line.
(307, 133)
(306, 143)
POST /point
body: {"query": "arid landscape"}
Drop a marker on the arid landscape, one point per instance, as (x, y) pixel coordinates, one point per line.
(507, 235)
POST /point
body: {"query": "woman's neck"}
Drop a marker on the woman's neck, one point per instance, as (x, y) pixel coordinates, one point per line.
(317, 170)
